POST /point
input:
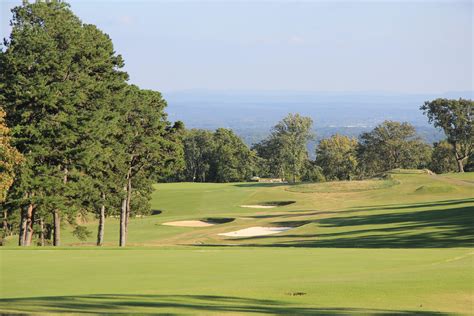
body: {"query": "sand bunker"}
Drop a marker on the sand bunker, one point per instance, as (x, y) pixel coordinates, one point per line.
(189, 224)
(256, 231)
(258, 206)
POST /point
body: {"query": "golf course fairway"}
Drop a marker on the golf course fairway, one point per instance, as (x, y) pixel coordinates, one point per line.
(398, 245)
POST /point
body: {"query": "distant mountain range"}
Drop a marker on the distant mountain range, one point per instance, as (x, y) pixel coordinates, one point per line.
(252, 114)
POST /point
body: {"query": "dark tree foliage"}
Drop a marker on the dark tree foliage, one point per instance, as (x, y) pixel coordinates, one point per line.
(442, 159)
(219, 156)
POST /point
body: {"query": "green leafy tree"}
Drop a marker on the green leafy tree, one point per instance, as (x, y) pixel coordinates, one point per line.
(455, 117)
(231, 159)
(291, 135)
(312, 172)
(219, 156)
(392, 145)
(271, 161)
(443, 160)
(337, 156)
(198, 147)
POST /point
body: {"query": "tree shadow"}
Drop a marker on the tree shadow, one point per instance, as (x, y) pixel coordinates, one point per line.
(412, 205)
(416, 226)
(178, 304)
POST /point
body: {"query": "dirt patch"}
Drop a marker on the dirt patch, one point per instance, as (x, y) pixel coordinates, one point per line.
(256, 231)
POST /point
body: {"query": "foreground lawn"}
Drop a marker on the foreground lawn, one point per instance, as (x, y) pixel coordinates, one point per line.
(216, 281)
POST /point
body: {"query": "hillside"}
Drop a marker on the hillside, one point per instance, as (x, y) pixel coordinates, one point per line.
(408, 210)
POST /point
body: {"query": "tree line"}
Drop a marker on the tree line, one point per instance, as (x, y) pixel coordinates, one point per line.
(78, 140)
(83, 140)
(283, 154)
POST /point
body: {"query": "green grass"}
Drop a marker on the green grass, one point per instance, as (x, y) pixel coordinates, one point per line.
(342, 186)
(367, 247)
(235, 280)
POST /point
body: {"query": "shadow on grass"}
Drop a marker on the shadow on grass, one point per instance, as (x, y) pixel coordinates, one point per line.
(178, 304)
(414, 226)
(260, 185)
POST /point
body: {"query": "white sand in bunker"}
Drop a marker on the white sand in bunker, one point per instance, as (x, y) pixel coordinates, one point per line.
(189, 224)
(258, 206)
(256, 231)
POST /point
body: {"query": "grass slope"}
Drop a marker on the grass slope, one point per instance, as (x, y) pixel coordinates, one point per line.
(357, 247)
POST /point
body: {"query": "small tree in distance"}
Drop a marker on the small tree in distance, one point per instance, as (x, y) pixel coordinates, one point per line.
(337, 156)
(455, 118)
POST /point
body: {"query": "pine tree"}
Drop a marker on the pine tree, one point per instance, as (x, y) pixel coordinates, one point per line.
(58, 79)
(143, 134)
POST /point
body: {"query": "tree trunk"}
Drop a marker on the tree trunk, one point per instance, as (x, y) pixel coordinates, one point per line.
(6, 228)
(460, 164)
(29, 226)
(129, 198)
(123, 214)
(41, 232)
(22, 234)
(57, 229)
(459, 157)
(57, 217)
(100, 233)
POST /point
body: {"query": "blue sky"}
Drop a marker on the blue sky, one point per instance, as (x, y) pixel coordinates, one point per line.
(335, 46)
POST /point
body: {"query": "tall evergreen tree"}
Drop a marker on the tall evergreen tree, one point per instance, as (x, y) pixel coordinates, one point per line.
(57, 75)
(143, 134)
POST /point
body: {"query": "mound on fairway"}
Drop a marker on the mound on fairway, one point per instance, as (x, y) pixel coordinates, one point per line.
(342, 186)
(189, 224)
(256, 231)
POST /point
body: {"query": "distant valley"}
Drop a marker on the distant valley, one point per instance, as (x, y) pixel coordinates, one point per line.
(252, 114)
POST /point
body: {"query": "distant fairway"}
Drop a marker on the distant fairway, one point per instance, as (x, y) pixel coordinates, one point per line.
(403, 245)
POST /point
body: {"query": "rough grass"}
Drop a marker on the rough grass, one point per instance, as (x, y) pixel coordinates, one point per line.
(372, 251)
